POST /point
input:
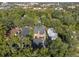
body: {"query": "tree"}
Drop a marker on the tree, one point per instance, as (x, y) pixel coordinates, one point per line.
(58, 48)
(8, 25)
(68, 19)
(57, 14)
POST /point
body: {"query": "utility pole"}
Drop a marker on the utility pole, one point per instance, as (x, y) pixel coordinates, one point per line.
(58, 3)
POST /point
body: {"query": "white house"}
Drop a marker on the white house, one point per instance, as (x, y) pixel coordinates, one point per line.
(52, 34)
(72, 7)
(59, 8)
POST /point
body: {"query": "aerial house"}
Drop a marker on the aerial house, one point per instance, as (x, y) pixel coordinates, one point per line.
(39, 36)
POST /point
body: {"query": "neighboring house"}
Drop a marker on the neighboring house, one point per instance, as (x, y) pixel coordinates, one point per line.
(25, 31)
(72, 7)
(37, 8)
(13, 32)
(59, 8)
(39, 35)
(51, 34)
(16, 31)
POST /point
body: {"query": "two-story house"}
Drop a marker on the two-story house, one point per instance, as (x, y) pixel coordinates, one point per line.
(39, 36)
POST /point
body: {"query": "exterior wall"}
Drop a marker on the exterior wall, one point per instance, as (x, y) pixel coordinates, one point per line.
(38, 35)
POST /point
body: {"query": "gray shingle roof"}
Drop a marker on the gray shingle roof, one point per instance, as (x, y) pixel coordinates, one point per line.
(41, 29)
(25, 31)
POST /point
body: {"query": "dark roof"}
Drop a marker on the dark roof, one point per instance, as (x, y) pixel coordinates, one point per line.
(25, 31)
(41, 29)
(37, 41)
